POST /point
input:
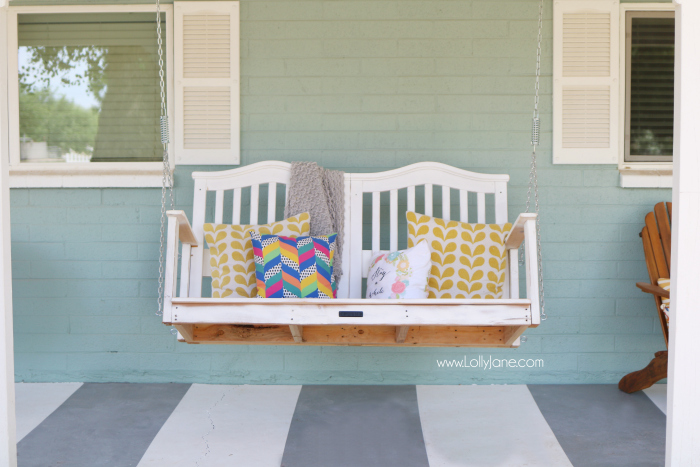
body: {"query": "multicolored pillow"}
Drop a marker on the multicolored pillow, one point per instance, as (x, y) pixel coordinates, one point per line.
(231, 253)
(469, 260)
(288, 267)
(400, 274)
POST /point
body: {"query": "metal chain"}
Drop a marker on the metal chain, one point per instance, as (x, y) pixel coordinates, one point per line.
(532, 188)
(167, 187)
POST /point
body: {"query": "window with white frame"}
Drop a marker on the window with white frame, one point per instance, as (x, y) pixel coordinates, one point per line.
(613, 87)
(88, 88)
(84, 91)
(649, 58)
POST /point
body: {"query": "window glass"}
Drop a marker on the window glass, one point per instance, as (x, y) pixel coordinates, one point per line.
(88, 87)
(649, 116)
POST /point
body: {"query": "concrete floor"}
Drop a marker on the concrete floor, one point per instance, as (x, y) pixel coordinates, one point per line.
(117, 424)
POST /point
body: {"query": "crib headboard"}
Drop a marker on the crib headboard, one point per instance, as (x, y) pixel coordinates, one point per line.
(243, 191)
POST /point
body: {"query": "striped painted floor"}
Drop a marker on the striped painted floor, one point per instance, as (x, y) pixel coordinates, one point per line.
(119, 425)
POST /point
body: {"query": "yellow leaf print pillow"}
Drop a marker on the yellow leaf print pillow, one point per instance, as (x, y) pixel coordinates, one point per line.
(468, 260)
(231, 253)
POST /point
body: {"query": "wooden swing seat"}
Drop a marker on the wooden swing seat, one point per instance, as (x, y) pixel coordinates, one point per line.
(349, 319)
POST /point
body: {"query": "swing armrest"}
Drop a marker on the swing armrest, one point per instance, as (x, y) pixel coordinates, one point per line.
(185, 229)
(524, 230)
(654, 289)
(517, 233)
(179, 231)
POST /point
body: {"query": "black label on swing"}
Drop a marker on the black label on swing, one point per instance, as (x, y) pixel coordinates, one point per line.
(350, 314)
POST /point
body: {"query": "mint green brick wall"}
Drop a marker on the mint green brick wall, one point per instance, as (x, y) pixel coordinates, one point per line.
(360, 86)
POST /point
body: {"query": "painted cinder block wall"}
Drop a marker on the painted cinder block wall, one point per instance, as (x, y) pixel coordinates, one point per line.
(359, 86)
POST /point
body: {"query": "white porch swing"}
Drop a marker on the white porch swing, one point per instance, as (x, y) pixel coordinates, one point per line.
(350, 319)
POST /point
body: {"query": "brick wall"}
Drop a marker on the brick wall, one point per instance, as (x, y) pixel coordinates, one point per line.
(361, 86)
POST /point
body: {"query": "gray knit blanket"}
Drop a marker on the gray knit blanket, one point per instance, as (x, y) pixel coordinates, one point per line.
(321, 193)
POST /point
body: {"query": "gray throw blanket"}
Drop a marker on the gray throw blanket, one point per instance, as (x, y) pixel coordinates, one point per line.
(321, 193)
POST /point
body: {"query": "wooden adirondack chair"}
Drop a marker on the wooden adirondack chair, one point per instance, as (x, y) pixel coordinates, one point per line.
(656, 239)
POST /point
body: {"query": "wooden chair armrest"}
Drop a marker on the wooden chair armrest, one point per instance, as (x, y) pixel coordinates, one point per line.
(517, 233)
(186, 234)
(654, 289)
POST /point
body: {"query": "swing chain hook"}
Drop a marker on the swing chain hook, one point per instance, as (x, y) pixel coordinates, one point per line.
(532, 188)
(167, 187)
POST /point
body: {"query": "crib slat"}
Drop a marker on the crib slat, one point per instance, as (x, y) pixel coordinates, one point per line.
(464, 205)
(411, 198)
(394, 220)
(219, 207)
(481, 207)
(446, 203)
(236, 206)
(428, 199)
(271, 202)
(375, 221)
(254, 201)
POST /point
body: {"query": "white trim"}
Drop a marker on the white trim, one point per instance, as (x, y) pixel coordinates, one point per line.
(98, 175)
(102, 174)
(638, 174)
(646, 176)
(8, 427)
(377, 312)
(683, 420)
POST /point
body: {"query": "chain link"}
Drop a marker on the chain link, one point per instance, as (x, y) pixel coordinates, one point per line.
(167, 187)
(532, 188)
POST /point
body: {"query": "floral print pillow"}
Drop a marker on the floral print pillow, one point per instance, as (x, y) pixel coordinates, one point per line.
(400, 274)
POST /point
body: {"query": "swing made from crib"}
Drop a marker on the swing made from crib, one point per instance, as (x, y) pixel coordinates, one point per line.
(349, 319)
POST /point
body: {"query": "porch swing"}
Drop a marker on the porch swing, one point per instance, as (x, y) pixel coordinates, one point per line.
(348, 319)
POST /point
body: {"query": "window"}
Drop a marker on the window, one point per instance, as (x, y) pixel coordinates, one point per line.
(613, 87)
(84, 93)
(649, 50)
(88, 88)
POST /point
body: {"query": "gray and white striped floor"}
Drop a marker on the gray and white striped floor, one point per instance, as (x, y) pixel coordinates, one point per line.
(119, 424)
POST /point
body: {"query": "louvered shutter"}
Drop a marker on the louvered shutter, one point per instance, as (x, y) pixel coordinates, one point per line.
(207, 89)
(586, 82)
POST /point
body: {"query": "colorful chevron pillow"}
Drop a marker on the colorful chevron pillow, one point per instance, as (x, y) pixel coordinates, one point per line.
(289, 267)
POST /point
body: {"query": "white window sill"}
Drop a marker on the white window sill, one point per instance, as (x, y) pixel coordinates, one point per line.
(646, 176)
(95, 175)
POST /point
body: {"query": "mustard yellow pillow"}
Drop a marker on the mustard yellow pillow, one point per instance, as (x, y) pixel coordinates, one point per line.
(231, 251)
(468, 260)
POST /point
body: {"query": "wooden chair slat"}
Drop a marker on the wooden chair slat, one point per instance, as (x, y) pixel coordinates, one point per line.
(664, 231)
(649, 256)
(653, 276)
(670, 217)
(656, 248)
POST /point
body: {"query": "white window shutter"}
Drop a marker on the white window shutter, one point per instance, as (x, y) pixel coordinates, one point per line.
(207, 83)
(586, 81)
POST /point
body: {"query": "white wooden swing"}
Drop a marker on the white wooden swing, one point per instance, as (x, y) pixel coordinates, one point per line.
(349, 319)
